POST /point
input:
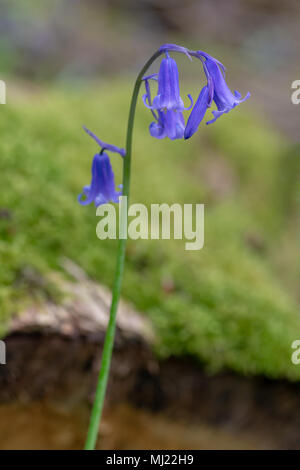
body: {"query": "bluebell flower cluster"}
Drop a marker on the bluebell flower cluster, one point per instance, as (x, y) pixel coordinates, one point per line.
(167, 109)
(102, 187)
(167, 106)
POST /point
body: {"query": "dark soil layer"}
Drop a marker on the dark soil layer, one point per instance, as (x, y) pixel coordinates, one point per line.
(48, 382)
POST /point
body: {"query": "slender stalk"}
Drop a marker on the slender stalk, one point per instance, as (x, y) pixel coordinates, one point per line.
(110, 332)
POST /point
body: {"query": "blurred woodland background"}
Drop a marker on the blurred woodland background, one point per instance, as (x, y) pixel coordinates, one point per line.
(222, 319)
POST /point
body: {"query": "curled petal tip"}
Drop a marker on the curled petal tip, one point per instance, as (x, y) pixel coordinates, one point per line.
(192, 103)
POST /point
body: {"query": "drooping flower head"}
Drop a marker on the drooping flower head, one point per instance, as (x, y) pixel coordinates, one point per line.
(216, 90)
(102, 187)
(167, 106)
(168, 122)
(224, 99)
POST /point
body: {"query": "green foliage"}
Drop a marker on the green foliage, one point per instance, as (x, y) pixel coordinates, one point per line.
(224, 305)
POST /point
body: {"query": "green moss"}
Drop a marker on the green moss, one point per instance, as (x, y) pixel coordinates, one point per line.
(223, 305)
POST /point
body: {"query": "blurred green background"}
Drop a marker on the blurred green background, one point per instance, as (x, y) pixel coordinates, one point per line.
(234, 305)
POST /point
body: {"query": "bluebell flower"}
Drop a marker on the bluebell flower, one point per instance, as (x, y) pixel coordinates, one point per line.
(222, 96)
(197, 113)
(168, 93)
(216, 90)
(168, 123)
(167, 106)
(102, 187)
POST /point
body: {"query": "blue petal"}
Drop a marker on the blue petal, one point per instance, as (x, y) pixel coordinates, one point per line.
(223, 96)
(174, 124)
(168, 94)
(147, 96)
(102, 187)
(157, 129)
(197, 113)
(85, 192)
(218, 114)
(152, 76)
(201, 54)
(104, 145)
(170, 124)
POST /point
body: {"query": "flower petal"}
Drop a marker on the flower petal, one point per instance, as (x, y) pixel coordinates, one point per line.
(104, 145)
(174, 124)
(102, 187)
(200, 54)
(168, 94)
(157, 129)
(197, 113)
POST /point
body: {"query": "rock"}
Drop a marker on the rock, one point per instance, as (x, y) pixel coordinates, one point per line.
(84, 311)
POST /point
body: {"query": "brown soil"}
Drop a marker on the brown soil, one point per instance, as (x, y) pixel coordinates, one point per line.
(43, 426)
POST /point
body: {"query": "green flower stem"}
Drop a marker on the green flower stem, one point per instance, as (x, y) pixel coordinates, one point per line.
(110, 332)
